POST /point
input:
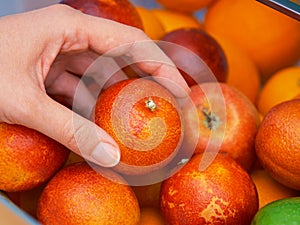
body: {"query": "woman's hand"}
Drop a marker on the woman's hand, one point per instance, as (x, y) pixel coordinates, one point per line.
(41, 51)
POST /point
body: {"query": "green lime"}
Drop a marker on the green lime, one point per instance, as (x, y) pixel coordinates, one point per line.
(284, 212)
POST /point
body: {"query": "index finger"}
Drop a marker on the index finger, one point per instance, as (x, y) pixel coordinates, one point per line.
(115, 39)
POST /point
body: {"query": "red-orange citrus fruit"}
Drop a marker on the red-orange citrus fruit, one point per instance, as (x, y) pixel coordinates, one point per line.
(144, 119)
(223, 193)
(78, 194)
(278, 143)
(28, 158)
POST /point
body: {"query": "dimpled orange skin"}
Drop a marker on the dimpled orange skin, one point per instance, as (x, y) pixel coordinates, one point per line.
(122, 11)
(141, 125)
(222, 194)
(278, 143)
(80, 195)
(27, 157)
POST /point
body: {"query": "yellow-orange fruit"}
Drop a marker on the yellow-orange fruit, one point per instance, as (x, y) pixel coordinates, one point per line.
(78, 194)
(144, 119)
(243, 74)
(270, 38)
(172, 20)
(224, 193)
(282, 86)
(152, 25)
(28, 158)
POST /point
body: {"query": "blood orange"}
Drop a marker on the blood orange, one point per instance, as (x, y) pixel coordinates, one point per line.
(221, 194)
(145, 120)
(28, 158)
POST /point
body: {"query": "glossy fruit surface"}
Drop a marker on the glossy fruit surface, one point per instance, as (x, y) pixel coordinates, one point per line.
(28, 158)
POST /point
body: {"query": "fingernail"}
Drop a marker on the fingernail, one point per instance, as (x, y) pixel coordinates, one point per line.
(106, 155)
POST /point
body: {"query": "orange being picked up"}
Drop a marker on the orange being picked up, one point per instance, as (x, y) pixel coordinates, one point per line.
(282, 86)
(270, 38)
(269, 189)
(28, 158)
(278, 143)
(145, 120)
(172, 20)
(223, 193)
(80, 194)
(187, 6)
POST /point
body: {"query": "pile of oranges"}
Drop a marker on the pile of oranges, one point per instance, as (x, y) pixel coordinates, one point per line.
(262, 50)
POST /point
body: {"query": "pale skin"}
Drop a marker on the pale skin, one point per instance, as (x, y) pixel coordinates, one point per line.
(40, 52)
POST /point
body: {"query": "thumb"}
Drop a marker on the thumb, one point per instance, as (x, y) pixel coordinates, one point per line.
(77, 133)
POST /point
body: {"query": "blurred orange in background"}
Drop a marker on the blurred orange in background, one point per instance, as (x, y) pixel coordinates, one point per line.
(186, 5)
(243, 74)
(270, 38)
(172, 20)
(283, 85)
(152, 25)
